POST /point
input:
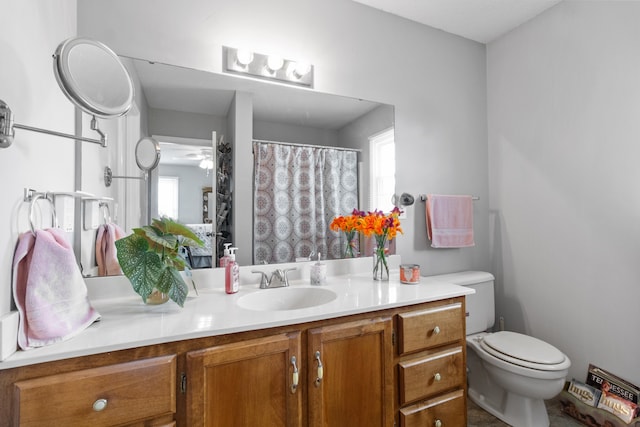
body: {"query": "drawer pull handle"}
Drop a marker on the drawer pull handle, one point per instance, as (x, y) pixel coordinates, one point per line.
(294, 381)
(320, 370)
(438, 423)
(437, 377)
(99, 405)
(436, 330)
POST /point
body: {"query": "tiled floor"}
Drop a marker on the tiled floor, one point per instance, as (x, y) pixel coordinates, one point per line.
(478, 417)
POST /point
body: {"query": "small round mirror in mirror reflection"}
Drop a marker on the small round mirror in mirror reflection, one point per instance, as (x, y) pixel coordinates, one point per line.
(92, 76)
(147, 154)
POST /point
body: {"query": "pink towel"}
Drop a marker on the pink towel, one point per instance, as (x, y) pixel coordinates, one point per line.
(48, 290)
(106, 254)
(450, 221)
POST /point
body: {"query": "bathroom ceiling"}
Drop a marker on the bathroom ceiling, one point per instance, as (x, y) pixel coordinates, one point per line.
(479, 20)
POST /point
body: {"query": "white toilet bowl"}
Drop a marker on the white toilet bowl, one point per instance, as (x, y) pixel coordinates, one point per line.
(510, 375)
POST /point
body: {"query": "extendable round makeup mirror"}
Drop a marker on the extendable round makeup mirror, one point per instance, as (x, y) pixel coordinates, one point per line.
(147, 154)
(147, 159)
(92, 77)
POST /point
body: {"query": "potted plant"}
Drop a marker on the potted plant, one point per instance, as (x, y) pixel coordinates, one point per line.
(151, 260)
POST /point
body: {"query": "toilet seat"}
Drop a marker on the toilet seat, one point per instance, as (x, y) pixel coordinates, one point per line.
(525, 351)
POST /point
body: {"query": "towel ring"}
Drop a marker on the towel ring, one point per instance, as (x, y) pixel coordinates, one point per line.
(106, 212)
(34, 199)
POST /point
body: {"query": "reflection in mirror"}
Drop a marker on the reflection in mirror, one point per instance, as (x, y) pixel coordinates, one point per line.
(191, 104)
(185, 174)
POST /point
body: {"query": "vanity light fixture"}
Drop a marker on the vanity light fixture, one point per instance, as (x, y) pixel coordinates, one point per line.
(269, 67)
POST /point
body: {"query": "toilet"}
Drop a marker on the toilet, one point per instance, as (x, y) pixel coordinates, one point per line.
(509, 374)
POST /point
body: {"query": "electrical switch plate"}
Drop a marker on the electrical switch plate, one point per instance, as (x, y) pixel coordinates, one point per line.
(91, 214)
(65, 207)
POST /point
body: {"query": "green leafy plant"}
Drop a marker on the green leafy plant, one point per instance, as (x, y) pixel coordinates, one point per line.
(150, 258)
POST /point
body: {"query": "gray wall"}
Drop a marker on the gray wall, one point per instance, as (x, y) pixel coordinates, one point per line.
(440, 98)
(191, 181)
(564, 108)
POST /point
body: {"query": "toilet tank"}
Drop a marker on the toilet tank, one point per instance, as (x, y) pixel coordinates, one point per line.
(480, 306)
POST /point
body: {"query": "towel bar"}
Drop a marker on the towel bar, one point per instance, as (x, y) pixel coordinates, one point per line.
(423, 197)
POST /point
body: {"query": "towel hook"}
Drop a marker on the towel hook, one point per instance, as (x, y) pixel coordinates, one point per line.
(106, 212)
(34, 199)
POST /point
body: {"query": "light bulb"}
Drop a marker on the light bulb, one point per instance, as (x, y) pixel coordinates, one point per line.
(274, 63)
(301, 69)
(244, 57)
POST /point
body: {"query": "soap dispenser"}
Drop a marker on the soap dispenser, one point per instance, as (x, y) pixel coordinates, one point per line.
(318, 274)
(231, 273)
(224, 259)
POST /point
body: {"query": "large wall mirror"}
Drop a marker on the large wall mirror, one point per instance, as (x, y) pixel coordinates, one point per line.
(207, 125)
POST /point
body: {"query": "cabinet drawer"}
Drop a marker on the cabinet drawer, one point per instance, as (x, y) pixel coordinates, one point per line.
(128, 392)
(426, 376)
(419, 330)
(449, 409)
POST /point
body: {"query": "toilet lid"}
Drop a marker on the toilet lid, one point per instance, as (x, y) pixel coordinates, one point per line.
(523, 348)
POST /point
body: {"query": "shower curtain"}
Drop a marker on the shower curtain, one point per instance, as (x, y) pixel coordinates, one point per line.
(298, 190)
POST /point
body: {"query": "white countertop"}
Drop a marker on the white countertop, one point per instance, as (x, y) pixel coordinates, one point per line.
(126, 322)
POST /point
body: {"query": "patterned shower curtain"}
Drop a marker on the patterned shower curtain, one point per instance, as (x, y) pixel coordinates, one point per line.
(298, 190)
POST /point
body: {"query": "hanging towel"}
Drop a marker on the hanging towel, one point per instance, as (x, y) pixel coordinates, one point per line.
(450, 221)
(106, 254)
(49, 290)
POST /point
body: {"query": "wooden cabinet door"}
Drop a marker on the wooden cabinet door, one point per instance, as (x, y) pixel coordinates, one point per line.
(350, 376)
(249, 383)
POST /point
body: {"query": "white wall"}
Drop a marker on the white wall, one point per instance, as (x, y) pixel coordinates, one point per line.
(31, 31)
(439, 96)
(563, 113)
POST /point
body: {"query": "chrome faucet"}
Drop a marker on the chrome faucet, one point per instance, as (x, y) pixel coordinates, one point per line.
(277, 279)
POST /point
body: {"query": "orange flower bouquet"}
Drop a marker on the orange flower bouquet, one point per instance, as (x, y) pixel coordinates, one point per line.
(382, 227)
(349, 225)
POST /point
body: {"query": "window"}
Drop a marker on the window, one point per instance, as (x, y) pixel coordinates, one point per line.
(168, 192)
(383, 170)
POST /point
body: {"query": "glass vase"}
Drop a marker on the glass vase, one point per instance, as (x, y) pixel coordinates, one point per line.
(350, 250)
(156, 297)
(380, 265)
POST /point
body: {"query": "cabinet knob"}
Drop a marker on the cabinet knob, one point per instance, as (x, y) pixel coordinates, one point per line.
(437, 377)
(436, 330)
(437, 423)
(99, 405)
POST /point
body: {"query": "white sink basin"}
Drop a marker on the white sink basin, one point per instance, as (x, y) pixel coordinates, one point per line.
(286, 298)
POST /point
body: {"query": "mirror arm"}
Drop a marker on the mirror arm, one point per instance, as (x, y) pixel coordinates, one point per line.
(109, 176)
(103, 136)
(8, 127)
